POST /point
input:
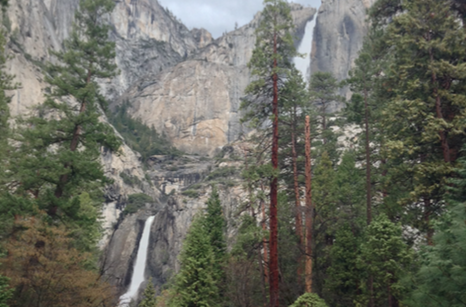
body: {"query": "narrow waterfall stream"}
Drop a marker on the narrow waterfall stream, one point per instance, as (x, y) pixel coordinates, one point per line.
(139, 265)
(304, 64)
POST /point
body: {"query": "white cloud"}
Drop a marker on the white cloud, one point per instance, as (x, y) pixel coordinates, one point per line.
(218, 16)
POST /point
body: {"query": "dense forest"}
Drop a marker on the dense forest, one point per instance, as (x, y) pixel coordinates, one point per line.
(360, 205)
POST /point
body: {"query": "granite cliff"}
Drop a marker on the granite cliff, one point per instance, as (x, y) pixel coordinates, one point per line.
(338, 37)
(196, 103)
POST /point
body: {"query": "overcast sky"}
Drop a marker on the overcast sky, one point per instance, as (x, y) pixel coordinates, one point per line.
(219, 16)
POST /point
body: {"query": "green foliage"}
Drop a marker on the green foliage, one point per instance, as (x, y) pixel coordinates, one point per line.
(309, 300)
(196, 284)
(130, 180)
(344, 276)
(141, 138)
(190, 193)
(275, 20)
(222, 172)
(148, 296)
(385, 257)
(55, 166)
(201, 277)
(216, 227)
(441, 278)
(5, 291)
(323, 88)
(424, 118)
(136, 202)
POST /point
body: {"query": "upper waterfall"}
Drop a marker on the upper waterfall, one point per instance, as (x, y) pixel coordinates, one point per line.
(304, 64)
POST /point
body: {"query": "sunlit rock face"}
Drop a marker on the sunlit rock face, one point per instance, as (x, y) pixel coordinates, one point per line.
(338, 36)
(196, 103)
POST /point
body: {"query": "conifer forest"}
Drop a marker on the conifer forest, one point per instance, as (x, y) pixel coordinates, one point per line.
(313, 191)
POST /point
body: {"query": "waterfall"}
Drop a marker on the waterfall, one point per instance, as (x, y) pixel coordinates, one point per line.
(139, 265)
(304, 64)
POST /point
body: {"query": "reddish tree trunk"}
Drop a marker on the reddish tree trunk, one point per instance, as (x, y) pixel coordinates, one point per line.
(273, 242)
(309, 208)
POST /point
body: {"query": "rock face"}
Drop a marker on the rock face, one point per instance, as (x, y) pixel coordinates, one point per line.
(196, 103)
(338, 36)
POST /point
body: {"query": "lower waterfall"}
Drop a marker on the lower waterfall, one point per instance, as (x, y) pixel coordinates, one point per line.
(139, 265)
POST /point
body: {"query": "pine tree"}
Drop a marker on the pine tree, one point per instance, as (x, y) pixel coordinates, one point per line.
(344, 276)
(325, 219)
(385, 257)
(425, 115)
(270, 63)
(58, 156)
(196, 284)
(441, 278)
(323, 89)
(148, 296)
(215, 225)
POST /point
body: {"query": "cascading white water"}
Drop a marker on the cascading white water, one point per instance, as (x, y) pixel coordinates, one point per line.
(304, 64)
(139, 266)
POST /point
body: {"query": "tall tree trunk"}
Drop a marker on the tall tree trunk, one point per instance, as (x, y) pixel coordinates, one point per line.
(273, 242)
(298, 213)
(309, 208)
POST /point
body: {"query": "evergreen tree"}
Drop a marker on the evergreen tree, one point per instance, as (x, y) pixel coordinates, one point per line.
(58, 156)
(309, 300)
(148, 296)
(295, 105)
(324, 200)
(323, 89)
(270, 63)
(441, 278)
(215, 225)
(344, 276)
(385, 257)
(195, 284)
(425, 115)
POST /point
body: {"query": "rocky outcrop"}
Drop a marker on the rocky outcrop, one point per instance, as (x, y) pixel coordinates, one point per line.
(338, 36)
(148, 40)
(196, 103)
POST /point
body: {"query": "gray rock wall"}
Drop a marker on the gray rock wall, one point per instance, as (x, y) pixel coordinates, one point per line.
(338, 36)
